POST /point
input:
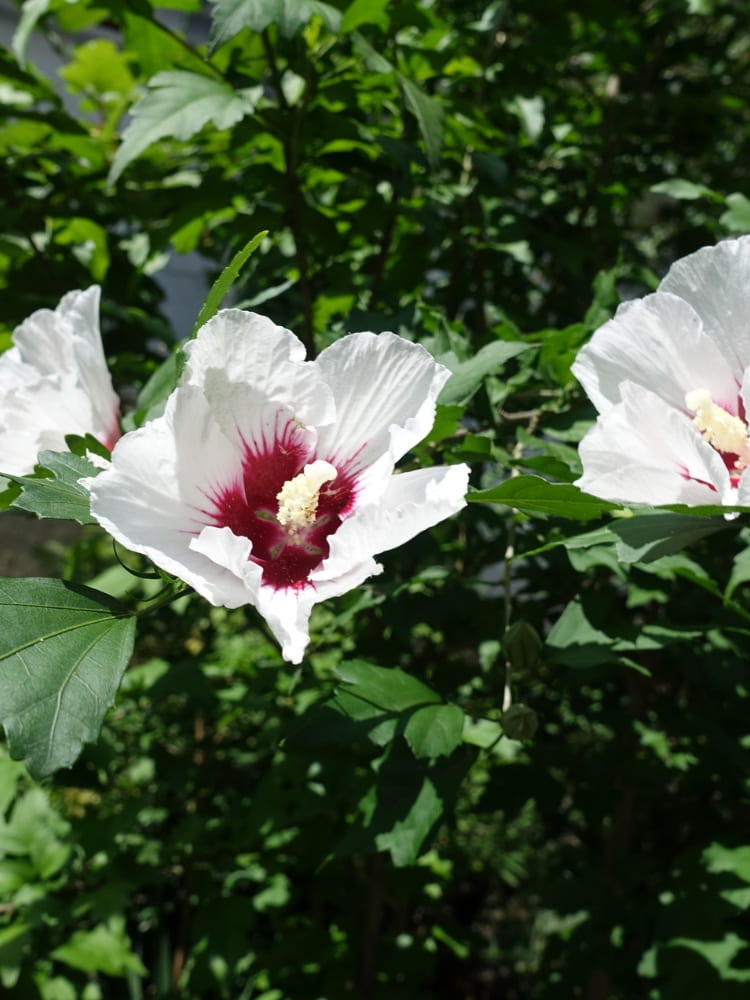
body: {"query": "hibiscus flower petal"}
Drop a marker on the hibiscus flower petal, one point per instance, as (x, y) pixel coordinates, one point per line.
(154, 496)
(376, 380)
(714, 280)
(659, 343)
(412, 503)
(66, 343)
(641, 450)
(249, 349)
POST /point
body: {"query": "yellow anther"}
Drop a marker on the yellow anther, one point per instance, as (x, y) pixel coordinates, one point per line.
(298, 497)
(722, 430)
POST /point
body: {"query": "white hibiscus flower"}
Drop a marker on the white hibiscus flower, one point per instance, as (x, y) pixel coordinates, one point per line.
(670, 377)
(269, 480)
(54, 381)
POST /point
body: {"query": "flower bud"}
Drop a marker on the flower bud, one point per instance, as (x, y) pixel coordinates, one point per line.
(522, 646)
(519, 722)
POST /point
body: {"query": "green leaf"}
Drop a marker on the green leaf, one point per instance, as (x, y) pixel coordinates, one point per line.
(484, 733)
(154, 46)
(15, 941)
(154, 394)
(429, 114)
(63, 650)
(61, 495)
(728, 859)
(365, 12)
(737, 215)
(647, 537)
(105, 949)
(371, 58)
(35, 830)
(719, 954)
(467, 376)
(578, 640)
(407, 835)
(677, 187)
(226, 279)
(435, 730)
(536, 496)
(231, 16)
(740, 572)
(99, 67)
(389, 689)
(89, 242)
(178, 104)
(446, 422)
(406, 800)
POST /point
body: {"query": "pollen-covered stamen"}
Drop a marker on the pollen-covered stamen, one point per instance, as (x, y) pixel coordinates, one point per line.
(727, 433)
(298, 497)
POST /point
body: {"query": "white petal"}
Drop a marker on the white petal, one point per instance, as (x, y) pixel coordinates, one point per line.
(643, 451)
(54, 382)
(67, 343)
(238, 581)
(659, 343)
(153, 497)
(252, 420)
(246, 348)
(287, 613)
(286, 610)
(716, 282)
(36, 417)
(413, 502)
(385, 390)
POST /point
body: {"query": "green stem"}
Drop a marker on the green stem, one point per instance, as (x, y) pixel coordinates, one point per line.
(161, 602)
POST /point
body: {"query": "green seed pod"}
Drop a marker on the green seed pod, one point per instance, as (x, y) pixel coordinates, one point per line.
(519, 722)
(522, 646)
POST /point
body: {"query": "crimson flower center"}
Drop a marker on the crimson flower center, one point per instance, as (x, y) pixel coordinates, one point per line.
(288, 507)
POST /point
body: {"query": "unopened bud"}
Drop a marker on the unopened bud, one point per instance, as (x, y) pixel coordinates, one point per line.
(521, 646)
(519, 722)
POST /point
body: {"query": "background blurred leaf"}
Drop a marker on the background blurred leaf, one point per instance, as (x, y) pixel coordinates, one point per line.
(231, 16)
(178, 104)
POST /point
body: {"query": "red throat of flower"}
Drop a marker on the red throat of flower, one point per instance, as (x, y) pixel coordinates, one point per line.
(288, 505)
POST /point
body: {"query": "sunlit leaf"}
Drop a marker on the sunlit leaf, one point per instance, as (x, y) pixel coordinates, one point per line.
(59, 495)
(178, 104)
(390, 689)
(63, 649)
(434, 730)
(226, 279)
(467, 376)
(289, 16)
(536, 496)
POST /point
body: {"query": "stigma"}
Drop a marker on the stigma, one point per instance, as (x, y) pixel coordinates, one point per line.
(298, 497)
(719, 428)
